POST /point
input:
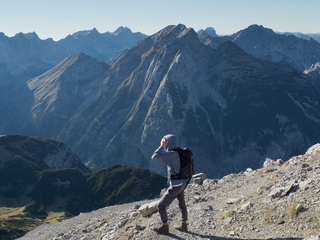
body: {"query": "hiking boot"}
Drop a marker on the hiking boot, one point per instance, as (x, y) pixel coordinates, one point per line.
(183, 227)
(162, 229)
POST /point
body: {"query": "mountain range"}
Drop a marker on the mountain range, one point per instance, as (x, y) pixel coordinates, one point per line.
(233, 100)
(27, 55)
(264, 43)
(315, 36)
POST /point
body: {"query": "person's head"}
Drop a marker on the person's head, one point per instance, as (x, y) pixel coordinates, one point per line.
(172, 141)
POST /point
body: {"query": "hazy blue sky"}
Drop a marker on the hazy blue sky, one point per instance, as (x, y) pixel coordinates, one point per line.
(58, 18)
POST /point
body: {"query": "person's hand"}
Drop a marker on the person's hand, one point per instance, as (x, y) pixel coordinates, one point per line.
(163, 143)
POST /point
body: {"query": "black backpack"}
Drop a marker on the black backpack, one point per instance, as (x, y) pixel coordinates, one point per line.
(187, 164)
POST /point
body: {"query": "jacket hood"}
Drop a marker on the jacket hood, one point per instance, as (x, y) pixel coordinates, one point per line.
(172, 141)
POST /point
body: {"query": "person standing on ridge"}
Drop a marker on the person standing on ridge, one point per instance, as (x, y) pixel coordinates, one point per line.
(164, 154)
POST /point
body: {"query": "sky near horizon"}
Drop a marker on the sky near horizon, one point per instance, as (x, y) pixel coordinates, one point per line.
(58, 18)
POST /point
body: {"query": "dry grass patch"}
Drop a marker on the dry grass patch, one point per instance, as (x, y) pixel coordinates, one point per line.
(127, 237)
(54, 217)
(294, 209)
(285, 164)
(7, 212)
(261, 190)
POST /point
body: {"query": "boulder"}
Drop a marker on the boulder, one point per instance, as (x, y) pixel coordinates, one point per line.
(270, 161)
(198, 178)
(148, 209)
(279, 192)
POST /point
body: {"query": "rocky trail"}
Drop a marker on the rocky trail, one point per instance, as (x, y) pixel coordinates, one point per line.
(278, 201)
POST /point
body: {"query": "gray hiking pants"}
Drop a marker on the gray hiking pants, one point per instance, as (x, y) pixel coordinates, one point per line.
(168, 197)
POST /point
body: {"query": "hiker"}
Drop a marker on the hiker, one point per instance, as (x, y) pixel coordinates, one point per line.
(176, 188)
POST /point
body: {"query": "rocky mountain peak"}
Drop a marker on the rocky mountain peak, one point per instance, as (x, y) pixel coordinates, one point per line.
(68, 66)
(29, 36)
(83, 59)
(168, 34)
(209, 30)
(230, 49)
(79, 34)
(264, 43)
(254, 32)
(65, 89)
(19, 35)
(258, 29)
(122, 30)
(188, 32)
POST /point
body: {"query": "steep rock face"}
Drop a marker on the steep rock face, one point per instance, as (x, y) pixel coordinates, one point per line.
(210, 31)
(265, 44)
(314, 73)
(265, 106)
(63, 91)
(230, 108)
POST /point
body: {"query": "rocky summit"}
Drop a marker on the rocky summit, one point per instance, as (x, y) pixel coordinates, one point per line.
(278, 201)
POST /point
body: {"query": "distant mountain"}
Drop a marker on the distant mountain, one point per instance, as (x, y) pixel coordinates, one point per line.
(27, 54)
(100, 46)
(265, 44)
(210, 31)
(40, 178)
(63, 91)
(315, 36)
(42, 105)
